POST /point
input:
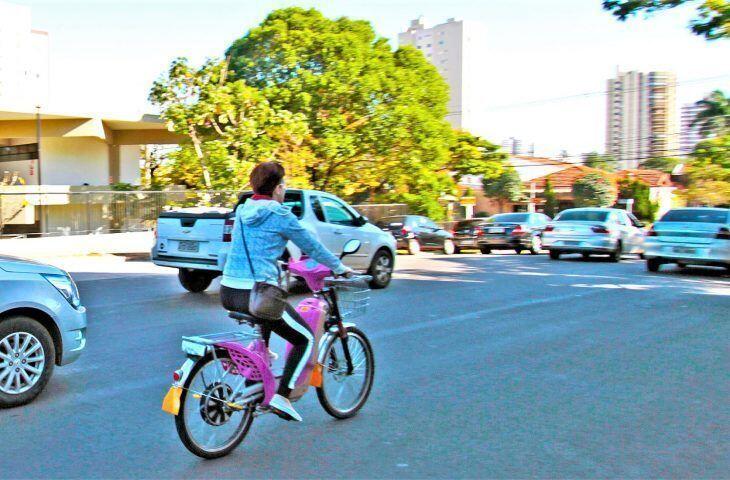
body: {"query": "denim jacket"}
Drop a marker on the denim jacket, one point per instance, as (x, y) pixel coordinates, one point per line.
(268, 226)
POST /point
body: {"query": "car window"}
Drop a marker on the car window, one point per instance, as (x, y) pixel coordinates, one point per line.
(634, 221)
(510, 218)
(317, 208)
(698, 215)
(582, 216)
(337, 213)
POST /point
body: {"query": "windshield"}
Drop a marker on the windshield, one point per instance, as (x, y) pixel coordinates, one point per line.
(468, 223)
(510, 218)
(697, 216)
(582, 216)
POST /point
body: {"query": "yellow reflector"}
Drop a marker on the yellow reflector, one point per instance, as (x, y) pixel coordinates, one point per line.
(316, 379)
(171, 403)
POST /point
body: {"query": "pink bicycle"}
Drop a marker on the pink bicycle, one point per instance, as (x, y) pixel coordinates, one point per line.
(227, 379)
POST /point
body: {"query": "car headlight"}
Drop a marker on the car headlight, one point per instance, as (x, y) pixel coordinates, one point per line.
(67, 287)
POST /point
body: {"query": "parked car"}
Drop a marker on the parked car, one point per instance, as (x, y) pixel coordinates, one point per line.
(467, 233)
(415, 233)
(196, 240)
(589, 231)
(42, 324)
(689, 236)
(513, 231)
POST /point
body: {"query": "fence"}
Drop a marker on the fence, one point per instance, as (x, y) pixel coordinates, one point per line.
(77, 213)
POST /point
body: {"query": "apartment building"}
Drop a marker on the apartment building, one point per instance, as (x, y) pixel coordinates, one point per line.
(689, 135)
(641, 117)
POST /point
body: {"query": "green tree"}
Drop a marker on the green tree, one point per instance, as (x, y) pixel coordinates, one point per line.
(551, 200)
(714, 118)
(376, 117)
(640, 192)
(472, 155)
(594, 190)
(708, 173)
(506, 187)
(601, 162)
(712, 20)
(231, 126)
(664, 164)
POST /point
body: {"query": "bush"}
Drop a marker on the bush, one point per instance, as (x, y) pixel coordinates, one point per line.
(594, 190)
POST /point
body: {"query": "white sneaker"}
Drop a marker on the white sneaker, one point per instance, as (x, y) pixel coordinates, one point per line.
(284, 409)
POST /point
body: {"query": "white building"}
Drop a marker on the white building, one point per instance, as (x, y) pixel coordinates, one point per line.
(454, 49)
(641, 116)
(689, 136)
(24, 61)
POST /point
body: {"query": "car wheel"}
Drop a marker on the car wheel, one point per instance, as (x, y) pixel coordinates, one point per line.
(27, 355)
(518, 251)
(381, 269)
(485, 250)
(586, 256)
(535, 244)
(554, 255)
(413, 246)
(617, 254)
(194, 281)
(457, 250)
(653, 264)
(449, 247)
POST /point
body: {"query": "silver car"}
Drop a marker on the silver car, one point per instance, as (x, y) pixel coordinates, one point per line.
(689, 236)
(42, 324)
(603, 231)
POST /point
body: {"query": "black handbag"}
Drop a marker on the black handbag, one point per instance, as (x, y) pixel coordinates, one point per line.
(266, 301)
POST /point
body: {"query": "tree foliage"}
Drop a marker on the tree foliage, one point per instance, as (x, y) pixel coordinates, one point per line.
(551, 200)
(505, 187)
(594, 190)
(664, 164)
(472, 155)
(640, 192)
(714, 118)
(708, 173)
(712, 20)
(601, 162)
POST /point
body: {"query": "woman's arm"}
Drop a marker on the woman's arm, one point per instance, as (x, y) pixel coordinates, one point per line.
(301, 237)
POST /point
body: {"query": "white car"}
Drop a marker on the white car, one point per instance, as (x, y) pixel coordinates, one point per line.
(689, 236)
(589, 231)
(196, 241)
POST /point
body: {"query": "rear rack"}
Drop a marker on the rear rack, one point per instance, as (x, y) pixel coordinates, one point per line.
(200, 344)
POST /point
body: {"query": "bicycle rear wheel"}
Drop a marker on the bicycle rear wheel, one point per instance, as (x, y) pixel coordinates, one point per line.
(342, 395)
(208, 426)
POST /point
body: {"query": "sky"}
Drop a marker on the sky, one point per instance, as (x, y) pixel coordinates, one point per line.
(105, 54)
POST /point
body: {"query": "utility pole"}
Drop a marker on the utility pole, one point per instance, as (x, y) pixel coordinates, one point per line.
(38, 142)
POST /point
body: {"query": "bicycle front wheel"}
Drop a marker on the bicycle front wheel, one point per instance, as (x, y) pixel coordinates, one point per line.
(342, 395)
(207, 423)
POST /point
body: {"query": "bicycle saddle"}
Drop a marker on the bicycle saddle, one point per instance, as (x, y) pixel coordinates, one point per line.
(244, 318)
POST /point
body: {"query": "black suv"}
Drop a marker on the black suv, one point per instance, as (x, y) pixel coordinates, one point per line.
(415, 233)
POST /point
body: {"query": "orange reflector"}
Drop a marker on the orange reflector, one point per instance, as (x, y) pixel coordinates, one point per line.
(171, 403)
(316, 380)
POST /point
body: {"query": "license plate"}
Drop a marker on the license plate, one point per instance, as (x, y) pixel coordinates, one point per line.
(496, 230)
(188, 246)
(685, 250)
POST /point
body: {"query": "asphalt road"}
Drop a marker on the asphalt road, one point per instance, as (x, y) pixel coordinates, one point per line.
(487, 366)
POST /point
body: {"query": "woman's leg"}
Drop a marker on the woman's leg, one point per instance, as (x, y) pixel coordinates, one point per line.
(294, 330)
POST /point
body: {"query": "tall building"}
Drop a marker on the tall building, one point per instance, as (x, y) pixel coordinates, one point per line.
(23, 59)
(641, 117)
(689, 136)
(453, 48)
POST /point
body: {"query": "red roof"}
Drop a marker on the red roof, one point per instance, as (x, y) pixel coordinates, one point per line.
(566, 178)
(654, 178)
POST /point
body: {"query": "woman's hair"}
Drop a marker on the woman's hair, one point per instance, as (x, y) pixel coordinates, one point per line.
(265, 177)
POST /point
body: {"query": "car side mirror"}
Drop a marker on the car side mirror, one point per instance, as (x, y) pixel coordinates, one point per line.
(361, 220)
(350, 247)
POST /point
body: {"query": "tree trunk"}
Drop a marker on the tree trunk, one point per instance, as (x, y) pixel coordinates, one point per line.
(199, 152)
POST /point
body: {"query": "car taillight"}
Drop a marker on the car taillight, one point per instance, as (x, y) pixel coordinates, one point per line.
(517, 230)
(478, 231)
(405, 231)
(600, 229)
(550, 228)
(228, 229)
(723, 234)
(651, 233)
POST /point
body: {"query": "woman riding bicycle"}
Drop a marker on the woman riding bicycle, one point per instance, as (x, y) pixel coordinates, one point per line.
(268, 226)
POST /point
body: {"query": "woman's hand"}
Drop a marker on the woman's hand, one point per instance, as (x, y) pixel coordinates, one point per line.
(348, 273)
